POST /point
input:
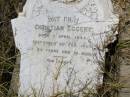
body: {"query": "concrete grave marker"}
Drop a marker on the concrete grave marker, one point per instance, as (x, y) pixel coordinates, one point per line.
(60, 41)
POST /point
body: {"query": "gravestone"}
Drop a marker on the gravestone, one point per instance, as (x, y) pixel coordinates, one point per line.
(61, 44)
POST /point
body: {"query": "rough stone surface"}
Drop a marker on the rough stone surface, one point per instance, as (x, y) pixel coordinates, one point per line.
(61, 43)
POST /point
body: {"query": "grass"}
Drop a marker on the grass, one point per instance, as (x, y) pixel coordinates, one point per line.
(8, 54)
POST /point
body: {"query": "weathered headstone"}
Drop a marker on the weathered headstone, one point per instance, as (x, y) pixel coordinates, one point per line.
(61, 43)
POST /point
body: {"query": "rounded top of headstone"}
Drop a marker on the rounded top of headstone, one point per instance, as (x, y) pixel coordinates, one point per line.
(103, 8)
